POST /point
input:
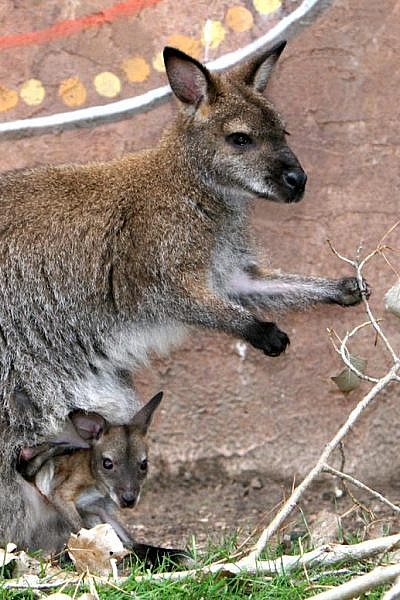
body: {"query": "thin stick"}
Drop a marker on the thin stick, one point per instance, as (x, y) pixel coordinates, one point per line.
(394, 592)
(329, 554)
(362, 486)
(357, 586)
(344, 353)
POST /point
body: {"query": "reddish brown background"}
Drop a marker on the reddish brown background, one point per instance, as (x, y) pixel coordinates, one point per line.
(227, 419)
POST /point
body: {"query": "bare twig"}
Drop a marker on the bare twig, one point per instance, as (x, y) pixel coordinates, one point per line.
(357, 586)
(345, 354)
(361, 486)
(358, 267)
(394, 592)
(329, 554)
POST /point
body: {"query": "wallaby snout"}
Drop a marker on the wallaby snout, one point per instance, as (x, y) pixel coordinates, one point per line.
(289, 175)
(294, 179)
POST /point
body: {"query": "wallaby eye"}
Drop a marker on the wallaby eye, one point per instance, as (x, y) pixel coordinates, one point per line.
(143, 465)
(239, 139)
(108, 464)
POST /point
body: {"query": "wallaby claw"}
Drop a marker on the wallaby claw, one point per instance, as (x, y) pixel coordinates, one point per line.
(267, 337)
(350, 292)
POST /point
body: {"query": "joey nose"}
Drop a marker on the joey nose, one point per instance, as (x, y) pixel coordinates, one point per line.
(295, 180)
(128, 499)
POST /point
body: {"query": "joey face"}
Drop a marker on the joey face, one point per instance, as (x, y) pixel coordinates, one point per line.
(119, 465)
(119, 457)
(236, 137)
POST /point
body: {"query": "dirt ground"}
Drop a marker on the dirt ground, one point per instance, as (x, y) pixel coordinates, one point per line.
(212, 510)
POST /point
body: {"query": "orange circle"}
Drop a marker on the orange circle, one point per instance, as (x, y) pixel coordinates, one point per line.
(185, 43)
(136, 69)
(239, 19)
(8, 99)
(73, 92)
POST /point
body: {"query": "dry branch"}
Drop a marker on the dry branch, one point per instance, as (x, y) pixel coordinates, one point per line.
(361, 486)
(329, 554)
(394, 592)
(353, 588)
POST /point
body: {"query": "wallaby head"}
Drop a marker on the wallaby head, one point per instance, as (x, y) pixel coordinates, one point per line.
(234, 134)
(119, 453)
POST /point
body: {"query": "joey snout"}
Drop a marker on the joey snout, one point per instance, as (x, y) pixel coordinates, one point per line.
(128, 498)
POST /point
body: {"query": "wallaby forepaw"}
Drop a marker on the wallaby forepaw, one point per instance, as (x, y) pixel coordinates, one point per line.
(267, 337)
(350, 292)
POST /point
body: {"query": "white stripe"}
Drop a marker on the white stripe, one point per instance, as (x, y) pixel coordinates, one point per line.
(129, 106)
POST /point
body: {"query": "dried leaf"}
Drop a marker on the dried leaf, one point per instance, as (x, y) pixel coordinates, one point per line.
(392, 299)
(7, 554)
(347, 380)
(26, 565)
(96, 550)
(58, 596)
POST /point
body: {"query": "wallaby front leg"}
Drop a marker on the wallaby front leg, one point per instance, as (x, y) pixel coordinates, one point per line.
(105, 517)
(278, 292)
(198, 306)
(67, 509)
(151, 555)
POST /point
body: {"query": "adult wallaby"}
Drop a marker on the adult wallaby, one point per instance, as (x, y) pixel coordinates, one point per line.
(102, 263)
(88, 486)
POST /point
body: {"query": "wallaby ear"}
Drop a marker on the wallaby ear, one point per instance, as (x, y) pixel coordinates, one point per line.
(257, 71)
(190, 81)
(90, 426)
(143, 418)
(68, 437)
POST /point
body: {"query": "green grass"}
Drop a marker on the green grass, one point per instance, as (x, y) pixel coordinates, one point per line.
(294, 586)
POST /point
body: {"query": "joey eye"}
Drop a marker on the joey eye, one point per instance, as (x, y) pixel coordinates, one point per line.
(143, 465)
(239, 139)
(108, 464)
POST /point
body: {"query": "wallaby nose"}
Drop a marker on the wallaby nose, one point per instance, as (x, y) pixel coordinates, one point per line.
(128, 499)
(295, 180)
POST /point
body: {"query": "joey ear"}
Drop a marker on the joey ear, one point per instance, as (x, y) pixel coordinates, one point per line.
(68, 437)
(257, 71)
(90, 426)
(143, 418)
(190, 81)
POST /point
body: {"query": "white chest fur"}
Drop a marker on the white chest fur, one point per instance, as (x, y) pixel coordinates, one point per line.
(104, 391)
